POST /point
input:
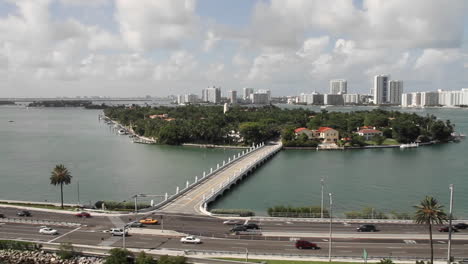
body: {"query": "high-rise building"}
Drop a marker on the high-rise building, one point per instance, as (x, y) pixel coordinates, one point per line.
(247, 93)
(212, 95)
(352, 98)
(406, 99)
(311, 99)
(333, 99)
(429, 99)
(233, 97)
(187, 99)
(261, 97)
(381, 92)
(338, 87)
(395, 90)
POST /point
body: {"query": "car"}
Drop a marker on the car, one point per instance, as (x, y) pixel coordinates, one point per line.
(135, 224)
(190, 240)
(83, 214)
(24, 213)
(48, 231)
(118, 232)
(148, 221)
(232, 222)
(238, 228)
(446, 229)
(366, 228)
(304, 244)
(251, 226)
(461, 226)
(2, 216)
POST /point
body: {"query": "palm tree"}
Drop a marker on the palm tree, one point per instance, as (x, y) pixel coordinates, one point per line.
(60, 175)
(430, 212)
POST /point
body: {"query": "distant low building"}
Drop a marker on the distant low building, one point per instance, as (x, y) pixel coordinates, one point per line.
(368, 134)
(303, 130)
(328, 134)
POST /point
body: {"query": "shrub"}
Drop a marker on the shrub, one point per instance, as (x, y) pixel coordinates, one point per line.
(172, 260)
(386, 261)
(113, 205)
(18, 245)
(119, 256)
(289, 211)
(240, 212)
(66, 251)
(143, 258)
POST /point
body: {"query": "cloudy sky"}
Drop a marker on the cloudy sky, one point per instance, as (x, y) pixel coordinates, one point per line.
(162, 47)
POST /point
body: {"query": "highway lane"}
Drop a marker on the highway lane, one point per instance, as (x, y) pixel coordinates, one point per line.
(340, 247)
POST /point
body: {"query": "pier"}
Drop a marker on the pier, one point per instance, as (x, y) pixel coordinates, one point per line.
(195, 196)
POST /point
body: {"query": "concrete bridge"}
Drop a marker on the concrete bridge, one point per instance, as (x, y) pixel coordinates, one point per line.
(194, 198)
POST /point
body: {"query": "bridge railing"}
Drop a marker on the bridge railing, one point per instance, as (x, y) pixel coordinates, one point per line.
(206, 175)
(210, 196)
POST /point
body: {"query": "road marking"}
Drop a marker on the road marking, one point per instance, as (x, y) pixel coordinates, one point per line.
(442, 242)
(410, 241)
(241, 243)
(345, 251)
(50, 241)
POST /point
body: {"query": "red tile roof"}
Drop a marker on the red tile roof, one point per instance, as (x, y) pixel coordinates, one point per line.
(323, 129)
(367, 131)
(297, 130)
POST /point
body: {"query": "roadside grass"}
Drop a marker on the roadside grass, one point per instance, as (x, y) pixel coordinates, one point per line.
(285, 261)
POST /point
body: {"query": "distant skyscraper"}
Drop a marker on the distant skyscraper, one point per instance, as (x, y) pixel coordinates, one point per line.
(212, 95)
(247, 93)
(381, 89)
(261, 97)
(395, 92)
(338, 87)
(233, 96)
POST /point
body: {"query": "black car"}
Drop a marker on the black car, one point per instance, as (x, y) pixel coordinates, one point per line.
(2, 216)
(461, 226)
(238, 228)
(24, 213)
(251, 226)
(366, 228)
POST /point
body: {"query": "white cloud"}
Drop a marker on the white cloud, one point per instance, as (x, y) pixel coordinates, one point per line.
(92, 3)
(210, 41)
(149, 24)
(181, 65)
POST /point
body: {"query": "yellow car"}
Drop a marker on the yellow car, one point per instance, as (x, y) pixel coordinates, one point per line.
(149, 221)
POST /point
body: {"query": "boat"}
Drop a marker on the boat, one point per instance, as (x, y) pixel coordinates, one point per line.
(410, 145)
(11, 121)
(122, 132)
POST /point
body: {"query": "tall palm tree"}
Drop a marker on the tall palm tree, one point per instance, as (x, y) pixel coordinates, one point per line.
(60, 176)
(429, 212)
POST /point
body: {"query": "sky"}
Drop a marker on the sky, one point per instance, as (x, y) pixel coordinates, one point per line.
(126, 48)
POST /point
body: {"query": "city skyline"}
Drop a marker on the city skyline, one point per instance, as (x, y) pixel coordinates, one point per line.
(136, 48)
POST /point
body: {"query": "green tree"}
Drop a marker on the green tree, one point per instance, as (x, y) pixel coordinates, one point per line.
(172, 260)
(440, 131)
(252, 132)
(378, 139)
(144, 258)
(429, 212)
(118, 256)
(60, 176)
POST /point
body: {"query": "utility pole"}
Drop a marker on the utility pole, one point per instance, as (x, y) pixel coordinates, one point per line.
(136, 203)
(123, 237)
(78, 191)
(449, 248)
(330, 235)
(321, 204)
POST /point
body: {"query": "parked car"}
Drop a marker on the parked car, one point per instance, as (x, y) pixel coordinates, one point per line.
(366, 228)
(446, 229)
(304, 244)
(118, 232)
(2, 216)
(232, 222)
(461, 226)
(24, 213)
(148, 221)
(83, 214)
(135, 224)
(190, 240)
(48, 231)
(251, 226)
(239, 228)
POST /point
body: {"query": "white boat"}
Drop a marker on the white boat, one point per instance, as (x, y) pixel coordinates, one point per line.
(122, 132)
(410, 145)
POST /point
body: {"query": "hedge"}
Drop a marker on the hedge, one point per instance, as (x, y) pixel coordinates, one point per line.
(240, 212)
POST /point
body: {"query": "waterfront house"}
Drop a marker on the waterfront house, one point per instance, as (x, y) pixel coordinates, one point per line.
(328, 134)
(368, 134)
(303, 130)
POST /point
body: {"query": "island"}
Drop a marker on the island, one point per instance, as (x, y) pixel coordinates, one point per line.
(297, 128)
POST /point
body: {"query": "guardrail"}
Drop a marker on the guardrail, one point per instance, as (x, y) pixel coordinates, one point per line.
(206, 176)
(36, 222)
(211, 196)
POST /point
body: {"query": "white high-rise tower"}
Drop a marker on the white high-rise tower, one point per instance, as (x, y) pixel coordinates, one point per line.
(338, 87)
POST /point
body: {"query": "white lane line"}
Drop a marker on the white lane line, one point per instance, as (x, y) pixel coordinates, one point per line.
(50, 241)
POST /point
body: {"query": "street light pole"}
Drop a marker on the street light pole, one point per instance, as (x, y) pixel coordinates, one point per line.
(136, 202)
(123, 237)
(449, 249)
(330, 235)
(321, 204)
(78, 191)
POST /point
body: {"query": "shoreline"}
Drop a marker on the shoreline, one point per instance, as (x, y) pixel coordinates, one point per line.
(364, 147)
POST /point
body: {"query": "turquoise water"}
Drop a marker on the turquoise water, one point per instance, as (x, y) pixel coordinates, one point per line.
(103, 164)
(108, 166)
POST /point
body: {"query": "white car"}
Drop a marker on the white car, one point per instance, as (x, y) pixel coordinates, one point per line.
(190, 240)
(48, 231)
(232, 222)
(118, 232)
